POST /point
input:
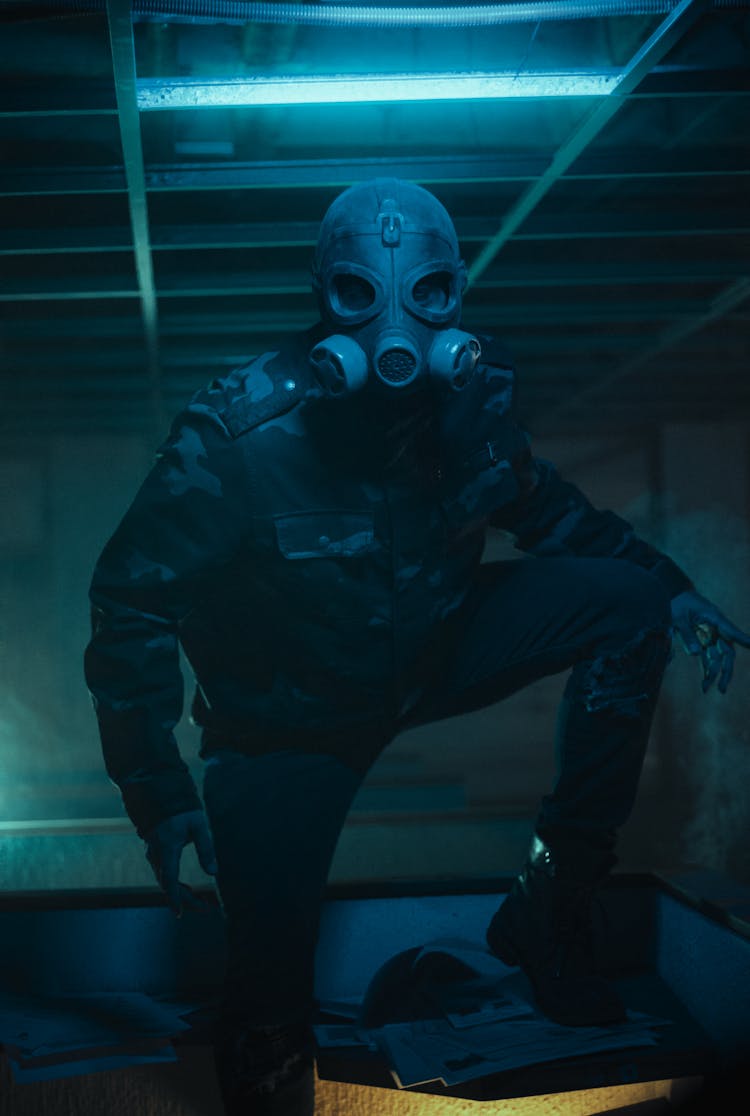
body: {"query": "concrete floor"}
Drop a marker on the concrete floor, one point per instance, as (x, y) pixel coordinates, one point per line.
(189, 1088)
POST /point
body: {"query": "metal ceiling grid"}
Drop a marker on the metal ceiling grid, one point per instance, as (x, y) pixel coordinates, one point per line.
(142, 253)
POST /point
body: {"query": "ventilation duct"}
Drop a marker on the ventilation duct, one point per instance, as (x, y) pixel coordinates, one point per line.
(352, 15)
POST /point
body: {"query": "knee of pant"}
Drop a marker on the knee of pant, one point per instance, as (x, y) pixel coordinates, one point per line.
(626, 679)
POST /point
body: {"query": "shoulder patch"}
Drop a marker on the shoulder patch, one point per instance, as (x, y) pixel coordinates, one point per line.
(267, 394)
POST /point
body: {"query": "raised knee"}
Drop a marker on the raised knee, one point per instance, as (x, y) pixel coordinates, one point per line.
(625, 680)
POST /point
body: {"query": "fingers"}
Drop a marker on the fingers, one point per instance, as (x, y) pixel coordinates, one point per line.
(204, 846)
(728, 631)
(170, 872)
(717, 653)
(718, 662)
(689, 639)
(179, 895)
(164, 851)
(192, 902)
(727, 668)
(165, 862)
(710, 670)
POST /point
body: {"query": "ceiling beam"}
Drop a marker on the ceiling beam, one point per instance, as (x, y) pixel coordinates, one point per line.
(669, 31)
(30, 330)
(304, 234)
(276, 174)
(561, 273)
(265, 282)
(546, 362)
(73, 96)
(22, 331)
(119, 20)
(41, 292)
(65, 239)
(646, 163)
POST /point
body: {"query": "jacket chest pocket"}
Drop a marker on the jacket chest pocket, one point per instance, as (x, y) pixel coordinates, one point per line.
(324, 534)
(484, 483)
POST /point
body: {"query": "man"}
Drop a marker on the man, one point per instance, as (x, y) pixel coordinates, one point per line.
(311, 534)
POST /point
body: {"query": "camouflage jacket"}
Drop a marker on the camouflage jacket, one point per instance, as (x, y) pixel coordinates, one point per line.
(305, 552)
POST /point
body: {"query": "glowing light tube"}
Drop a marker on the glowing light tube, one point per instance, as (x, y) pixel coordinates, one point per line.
(342, 89)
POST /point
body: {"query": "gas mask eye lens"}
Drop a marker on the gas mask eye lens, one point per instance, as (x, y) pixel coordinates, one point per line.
(433, 291)
(353, 293)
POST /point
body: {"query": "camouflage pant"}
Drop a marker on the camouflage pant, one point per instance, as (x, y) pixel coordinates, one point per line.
(276, 817)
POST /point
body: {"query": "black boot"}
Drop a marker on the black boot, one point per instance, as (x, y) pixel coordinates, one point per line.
(544, 926)
(265, 1071)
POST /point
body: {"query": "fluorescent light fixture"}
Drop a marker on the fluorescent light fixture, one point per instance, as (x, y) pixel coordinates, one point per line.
(345, 89)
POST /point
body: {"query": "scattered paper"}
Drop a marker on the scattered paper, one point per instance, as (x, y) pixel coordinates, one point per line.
(433, 1050)
(49, 1036)
(482, 1024)
(339, 1034)
(40, 1024)
(467, 952)
(347, 1007)
(24, 1072)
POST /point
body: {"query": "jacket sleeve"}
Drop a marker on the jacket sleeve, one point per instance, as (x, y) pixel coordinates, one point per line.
(188, 518)
(552, 517)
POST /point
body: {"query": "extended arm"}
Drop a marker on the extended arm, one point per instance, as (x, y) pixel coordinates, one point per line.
(552, 517)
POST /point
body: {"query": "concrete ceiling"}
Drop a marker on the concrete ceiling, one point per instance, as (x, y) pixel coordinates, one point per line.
(144, 252)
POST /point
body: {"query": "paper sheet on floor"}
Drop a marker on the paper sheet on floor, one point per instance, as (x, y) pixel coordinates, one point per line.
(433, 1050)
(26, 1071)
(481, 1024)
(45, 1033)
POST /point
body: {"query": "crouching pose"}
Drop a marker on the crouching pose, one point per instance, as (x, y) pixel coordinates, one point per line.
(311, 535)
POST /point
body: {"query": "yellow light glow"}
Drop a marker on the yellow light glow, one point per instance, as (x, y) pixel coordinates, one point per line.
(337, 1098)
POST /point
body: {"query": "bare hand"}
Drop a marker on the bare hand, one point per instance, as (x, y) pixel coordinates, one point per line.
(164, 845)
(707, 632)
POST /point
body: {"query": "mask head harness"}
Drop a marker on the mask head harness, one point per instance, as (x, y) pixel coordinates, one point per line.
(389, 278)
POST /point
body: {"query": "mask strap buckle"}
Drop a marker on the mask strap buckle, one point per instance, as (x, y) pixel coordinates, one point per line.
(391, 229)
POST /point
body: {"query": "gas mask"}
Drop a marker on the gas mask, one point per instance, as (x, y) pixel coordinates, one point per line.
(389, 280)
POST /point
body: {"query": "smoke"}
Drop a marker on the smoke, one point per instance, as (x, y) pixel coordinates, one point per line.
(27, 738)
(711, 732)
(31, 753)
